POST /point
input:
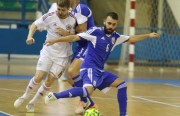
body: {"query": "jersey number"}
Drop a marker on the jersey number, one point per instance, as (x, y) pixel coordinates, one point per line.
(107, 48)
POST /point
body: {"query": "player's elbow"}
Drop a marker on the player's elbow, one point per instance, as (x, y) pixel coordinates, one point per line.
(75, 38)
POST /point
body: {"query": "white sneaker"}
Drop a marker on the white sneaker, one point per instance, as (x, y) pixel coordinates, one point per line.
(30, 108)
(18, 102)
(49, 98)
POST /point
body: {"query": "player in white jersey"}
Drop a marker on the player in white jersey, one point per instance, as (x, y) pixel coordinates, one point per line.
(101, 41)
(53, 59)
(85, 21)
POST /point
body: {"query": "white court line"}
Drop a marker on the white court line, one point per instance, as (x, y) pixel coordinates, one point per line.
(6, 113)
(153, 101)
(171, 85)
(163, 97)
(4, 89)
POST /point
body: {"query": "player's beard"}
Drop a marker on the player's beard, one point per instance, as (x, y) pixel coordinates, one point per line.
(108, 31)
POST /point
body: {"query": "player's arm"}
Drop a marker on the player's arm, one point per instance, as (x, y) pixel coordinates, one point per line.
(62, 32)
(70, 38)
(81, 28)
(135, 38)
(32, 30)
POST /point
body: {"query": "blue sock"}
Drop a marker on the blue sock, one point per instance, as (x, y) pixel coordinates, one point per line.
(122, 98)
(73, 92)
(78, 82)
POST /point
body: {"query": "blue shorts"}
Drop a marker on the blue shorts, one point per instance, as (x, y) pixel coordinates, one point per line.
(96, 78)
(80, 52)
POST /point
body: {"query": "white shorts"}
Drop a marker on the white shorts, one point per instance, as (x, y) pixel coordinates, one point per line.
(53, 65)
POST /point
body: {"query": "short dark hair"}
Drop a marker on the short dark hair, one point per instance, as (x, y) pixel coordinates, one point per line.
(113, 15)
(63, 3)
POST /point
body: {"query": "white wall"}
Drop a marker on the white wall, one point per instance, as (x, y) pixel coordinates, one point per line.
(175, 7)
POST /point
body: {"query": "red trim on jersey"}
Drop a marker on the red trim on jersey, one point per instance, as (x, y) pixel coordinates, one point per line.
(47, 15)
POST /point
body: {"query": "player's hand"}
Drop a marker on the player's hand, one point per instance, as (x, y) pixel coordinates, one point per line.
(154, 35)
(30, 41)
(49, 42)
(61, 31)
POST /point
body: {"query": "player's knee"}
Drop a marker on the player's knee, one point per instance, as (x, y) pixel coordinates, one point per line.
(89, 90)
(37, 78)
(117, 82)
(49, 80)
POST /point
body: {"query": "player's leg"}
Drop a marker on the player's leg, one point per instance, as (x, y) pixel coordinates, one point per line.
(75, 91)
(41, 70)
(112, 80)
(55, 72)
(73, 73)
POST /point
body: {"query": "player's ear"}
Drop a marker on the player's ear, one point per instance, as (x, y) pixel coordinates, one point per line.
(104, 22)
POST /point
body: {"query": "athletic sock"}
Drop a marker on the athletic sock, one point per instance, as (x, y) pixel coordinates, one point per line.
(122, 98)
(40, 93)
(78, 82)
(31, 86)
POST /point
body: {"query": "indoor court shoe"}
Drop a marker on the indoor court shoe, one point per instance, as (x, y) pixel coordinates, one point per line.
(79, 109)
(30, 108)
(18, 102)
(84, 106)
(49, 98)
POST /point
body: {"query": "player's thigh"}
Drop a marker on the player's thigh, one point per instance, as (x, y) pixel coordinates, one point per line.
(58, 67)
(43, 66)
(44, 63)
(108, 79)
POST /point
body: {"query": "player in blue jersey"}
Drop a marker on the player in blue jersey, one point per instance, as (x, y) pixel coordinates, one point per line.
(102, 40)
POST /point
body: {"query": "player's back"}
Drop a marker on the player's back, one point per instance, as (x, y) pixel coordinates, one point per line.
(84, 15)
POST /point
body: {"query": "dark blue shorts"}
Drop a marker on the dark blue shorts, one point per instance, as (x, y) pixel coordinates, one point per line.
(96, 78)
(80, 52)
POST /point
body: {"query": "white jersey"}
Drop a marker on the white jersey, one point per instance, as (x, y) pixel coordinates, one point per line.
(51, 21)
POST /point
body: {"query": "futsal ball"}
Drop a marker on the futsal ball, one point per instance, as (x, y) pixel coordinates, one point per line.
(91, 112)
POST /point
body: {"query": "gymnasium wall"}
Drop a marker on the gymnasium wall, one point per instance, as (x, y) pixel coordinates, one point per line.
(13, 41)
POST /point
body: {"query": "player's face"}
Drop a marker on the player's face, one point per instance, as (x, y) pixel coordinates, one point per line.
(110, 25)
(62, 12)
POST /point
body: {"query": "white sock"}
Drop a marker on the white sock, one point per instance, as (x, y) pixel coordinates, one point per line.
(31, 86)
(40, 93)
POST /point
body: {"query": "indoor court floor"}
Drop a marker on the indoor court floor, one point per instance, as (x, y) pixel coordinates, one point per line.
(151, 92)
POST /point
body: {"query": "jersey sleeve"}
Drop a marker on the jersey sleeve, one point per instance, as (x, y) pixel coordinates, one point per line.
(122, 39)
(83, 14)
(88, 35)
(40, 22)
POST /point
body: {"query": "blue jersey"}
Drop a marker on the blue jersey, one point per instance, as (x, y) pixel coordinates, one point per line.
(83, 14)
(99, 46)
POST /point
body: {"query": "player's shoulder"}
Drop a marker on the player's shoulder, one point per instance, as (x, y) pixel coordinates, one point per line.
(82, 7)
(94, 28)
(49, 15)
